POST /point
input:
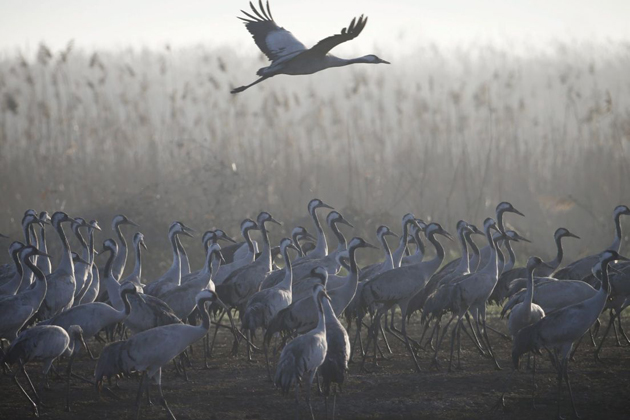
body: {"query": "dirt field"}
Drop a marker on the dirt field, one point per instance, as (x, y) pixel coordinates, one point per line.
(236, 389)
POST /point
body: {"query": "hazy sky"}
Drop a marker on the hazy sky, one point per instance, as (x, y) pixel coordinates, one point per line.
(119, 23)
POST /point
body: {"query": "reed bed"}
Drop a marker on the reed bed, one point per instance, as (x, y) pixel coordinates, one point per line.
(444, 133)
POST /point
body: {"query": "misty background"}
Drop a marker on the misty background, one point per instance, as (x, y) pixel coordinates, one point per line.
(110, 107)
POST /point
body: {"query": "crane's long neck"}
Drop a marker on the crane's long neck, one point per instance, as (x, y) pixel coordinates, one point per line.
(85, 251)
(183, 256)
(491, 264)
(207, 266)
(205, 317)
(250, 243)
(43, 263)
(555, 263)
(500, 220)
(266, 251)
(512, 257)
(137, 268)
(464, 262)
(65, 264)
(529, 296)
(329, 313)
(321, 319)
(473, 258)
(398, 253)
(39, 274)
(176, 265)
(296, 242)
(111, 284)
(616, 245)
(321, 248)
(121, 258)
(419, 244)
(287, 282)
(124, 296)
(342, 245)
(389, 261)
(439, 252)
(15, 256)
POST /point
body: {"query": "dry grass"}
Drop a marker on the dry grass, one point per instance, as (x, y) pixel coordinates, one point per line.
(445, 134)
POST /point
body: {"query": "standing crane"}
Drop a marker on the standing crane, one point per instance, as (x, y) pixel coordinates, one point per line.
(150, 350)
(41, 343)
(290, 56)
(265, 304)
(61, 283)
(557, 331)
(92, 318)
(579, 269)
(121, 259)
(17, 310)
(173, 275)
(506, 278)
(301, 358)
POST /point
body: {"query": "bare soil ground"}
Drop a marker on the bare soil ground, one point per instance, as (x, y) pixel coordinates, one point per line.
(236, 389)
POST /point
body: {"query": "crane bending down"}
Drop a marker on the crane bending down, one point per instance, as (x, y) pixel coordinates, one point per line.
(290, 56)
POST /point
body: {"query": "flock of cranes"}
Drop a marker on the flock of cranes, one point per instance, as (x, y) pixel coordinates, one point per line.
(52, 311)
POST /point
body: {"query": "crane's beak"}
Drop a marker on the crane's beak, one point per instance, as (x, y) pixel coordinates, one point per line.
(517, 212)
(309, 236)
(229, 239)
(345, 222)
(272, 220)
(143, 245)
(381, 61)
(132, 223)
(294, 247)
(3, 236)
(369, 245)
(520, 238)
(96, 226)
(391, 234)
(572, 235)
(326, 206)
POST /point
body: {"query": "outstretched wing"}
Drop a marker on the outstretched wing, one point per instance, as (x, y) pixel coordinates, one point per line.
(351, 32)
(275, 42)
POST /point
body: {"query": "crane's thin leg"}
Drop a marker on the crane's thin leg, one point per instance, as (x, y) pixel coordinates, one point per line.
(242, 88)
(68, 374)
(267, 360)
(615, 329)
(404, 332)
(308, 392)
(439, 340)
(535, 387)
(389, 349)
(214, 337)
(566, 378)
(485, 334)
(334, 403)
(477, 340)
(297, 401)
(499, 333)
(424, 332)
(601, 343)
(37, 398)
(453, 334)
(459, 346)
(139, 393)
(560, 368)
(30, 400)
(162, 399)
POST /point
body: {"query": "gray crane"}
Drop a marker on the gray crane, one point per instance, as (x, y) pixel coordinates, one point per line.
(121, 259)
(398, 286)
(558, 331)
(17, 310)
(43, 343)
(61, 283)
(582, 267)
(290, 56)
(301, 358)
(508, 276)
